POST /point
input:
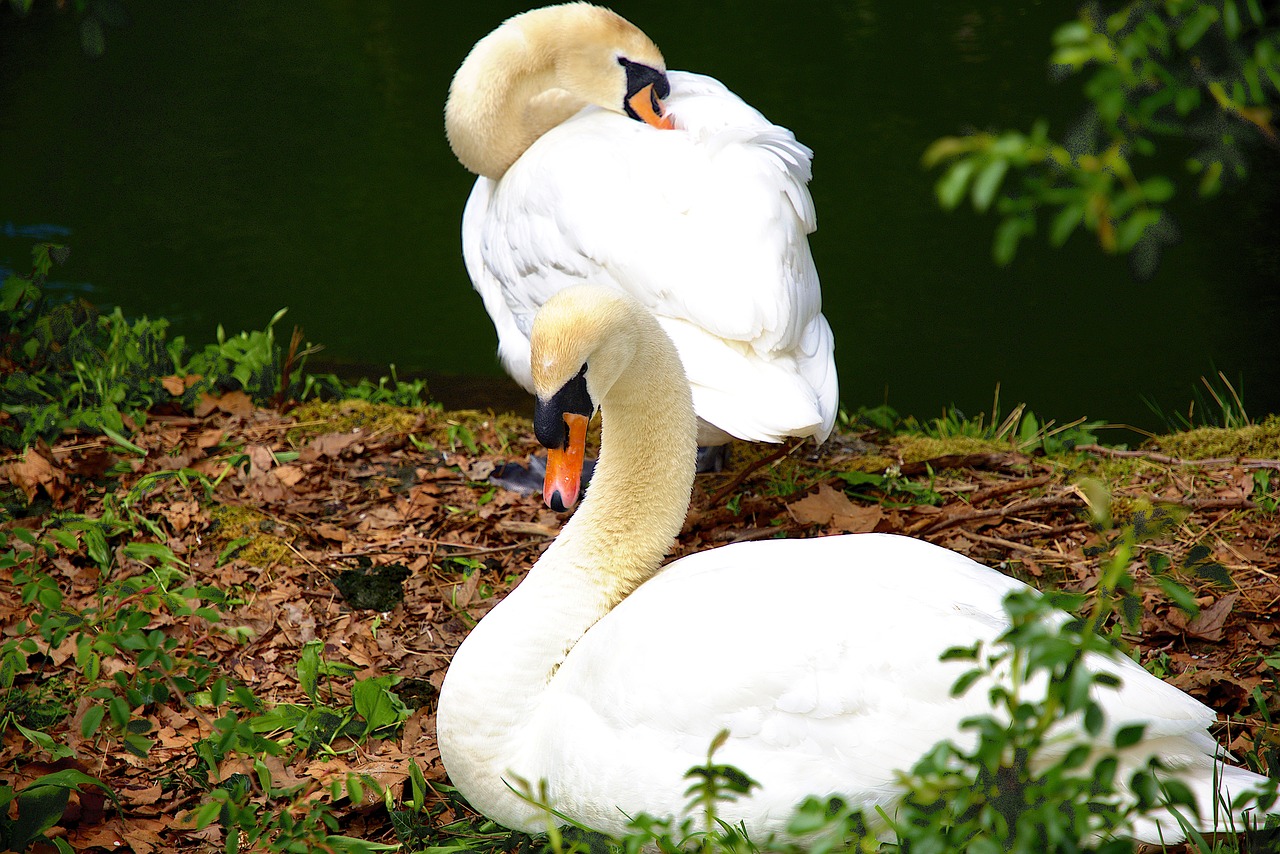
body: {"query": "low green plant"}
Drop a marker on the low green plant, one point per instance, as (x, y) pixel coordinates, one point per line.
(27, 814)
(285, 820)
(63, 366)
(1020, 429)
(1216, 402)
(390, 389)
(375, 709)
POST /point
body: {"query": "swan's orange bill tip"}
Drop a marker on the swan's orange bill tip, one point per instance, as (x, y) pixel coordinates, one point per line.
(643, 103)
(564, 466)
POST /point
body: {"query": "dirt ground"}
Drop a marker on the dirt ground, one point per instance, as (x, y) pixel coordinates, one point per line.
(291, 512)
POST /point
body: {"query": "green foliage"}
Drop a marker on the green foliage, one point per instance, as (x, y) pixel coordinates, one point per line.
(301, 823)
(115, 626)
(26, 815)
(65, 367)
(390, 390)
(1217, 404)
(1207, 72)
(1021, 429)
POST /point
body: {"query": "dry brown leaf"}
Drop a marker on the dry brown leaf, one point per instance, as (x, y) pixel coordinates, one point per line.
(331, 532)
(35, 471)
(832, 508)
(821, 507)
(1209, 623)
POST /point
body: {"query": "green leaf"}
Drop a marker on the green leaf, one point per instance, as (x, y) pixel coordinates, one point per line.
(231, 548)
(1179, 595)
(91, 721)
(1196, 25)
(1067, 220)
(1005, 245)
(965, 682)
(123, 442)
(1093, 719)
(1158, 188)
(13, 291)
(379, 706)
(987, 183)
(1132, 228)
(1128, 736)
(951, 187)
(1231, 19)
(39, 808)
(1072, 32)
(119, 710)
(44, 741)
(309, 670)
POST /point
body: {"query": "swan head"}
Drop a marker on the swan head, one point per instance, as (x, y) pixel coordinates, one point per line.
(582, 341)
(539, 68)
(607, 61)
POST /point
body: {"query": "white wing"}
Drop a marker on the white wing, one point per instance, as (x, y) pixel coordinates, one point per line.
(706, 225)
(829, 693)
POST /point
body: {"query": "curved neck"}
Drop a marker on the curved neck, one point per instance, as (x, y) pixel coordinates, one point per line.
(505, 96)
(633, 510)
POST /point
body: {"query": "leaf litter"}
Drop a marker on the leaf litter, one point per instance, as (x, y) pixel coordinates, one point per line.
(382, 542)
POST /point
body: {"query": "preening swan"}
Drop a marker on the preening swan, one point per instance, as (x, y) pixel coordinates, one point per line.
(607, 678)
(597, 164)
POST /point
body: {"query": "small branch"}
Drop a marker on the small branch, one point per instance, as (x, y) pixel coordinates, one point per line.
(782, 451)
(999, 489)
(1244, 462)
(934, 525)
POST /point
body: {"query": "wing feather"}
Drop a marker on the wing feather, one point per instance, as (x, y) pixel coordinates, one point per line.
(707, 226)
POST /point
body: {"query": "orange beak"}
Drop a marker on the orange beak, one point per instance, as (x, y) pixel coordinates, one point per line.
(564, 466)
(649, 108)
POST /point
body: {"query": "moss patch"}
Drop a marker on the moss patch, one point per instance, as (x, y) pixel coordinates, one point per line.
(265, 546)
(917, 449)
(342, 416)
(1260, 441)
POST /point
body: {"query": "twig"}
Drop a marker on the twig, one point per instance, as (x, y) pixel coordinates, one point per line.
(1244, 462)
(467, 550)
(1048, 532)
(748, 470)
(934, 525)
(999, 489)
(1010, 544)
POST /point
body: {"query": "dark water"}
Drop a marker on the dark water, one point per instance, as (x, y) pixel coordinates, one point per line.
(223, 160)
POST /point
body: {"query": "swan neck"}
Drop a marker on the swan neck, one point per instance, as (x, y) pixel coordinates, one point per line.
(505, 96)
(487, 719)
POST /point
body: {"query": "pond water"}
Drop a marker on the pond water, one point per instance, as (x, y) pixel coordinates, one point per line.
(222, 160)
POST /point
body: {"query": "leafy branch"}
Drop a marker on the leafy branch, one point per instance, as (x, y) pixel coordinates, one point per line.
(1179, 69)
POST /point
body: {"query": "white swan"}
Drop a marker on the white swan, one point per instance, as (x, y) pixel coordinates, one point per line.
(566, 115)
(608, 679)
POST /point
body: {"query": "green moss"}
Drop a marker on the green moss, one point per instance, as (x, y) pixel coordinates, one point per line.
(915, 449)
(342, 416)
(1260, 441)
(264, 547)
(871, 463)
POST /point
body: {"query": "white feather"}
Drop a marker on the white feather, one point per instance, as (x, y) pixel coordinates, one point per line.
(706, 225)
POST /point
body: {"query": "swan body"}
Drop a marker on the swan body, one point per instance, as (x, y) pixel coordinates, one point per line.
(706, 223)
(605, 678)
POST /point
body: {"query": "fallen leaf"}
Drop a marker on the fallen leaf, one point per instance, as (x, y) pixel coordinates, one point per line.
(35, 471)
(821, 507)
(1209, 623)
(831, 507)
